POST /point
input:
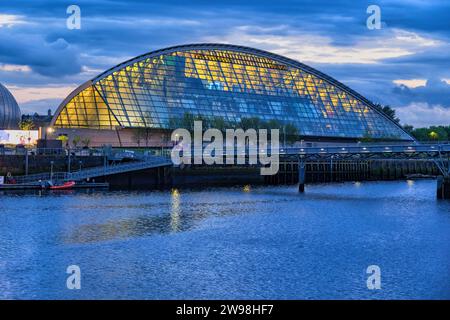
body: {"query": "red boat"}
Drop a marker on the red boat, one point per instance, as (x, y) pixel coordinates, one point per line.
(65, 186)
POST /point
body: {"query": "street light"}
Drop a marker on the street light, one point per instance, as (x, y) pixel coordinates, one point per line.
(433, 135)
(48, 131)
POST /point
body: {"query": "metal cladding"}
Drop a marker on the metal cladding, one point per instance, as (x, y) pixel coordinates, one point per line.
(9, 110)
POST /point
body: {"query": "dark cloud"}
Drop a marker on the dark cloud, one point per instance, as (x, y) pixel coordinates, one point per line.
(435, 92)
(52, 59)
(115, 30)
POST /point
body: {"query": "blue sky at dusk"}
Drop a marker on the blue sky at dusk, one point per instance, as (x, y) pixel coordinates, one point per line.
(405, 64)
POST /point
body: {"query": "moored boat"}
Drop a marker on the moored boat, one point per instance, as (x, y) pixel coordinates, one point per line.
(64, 186)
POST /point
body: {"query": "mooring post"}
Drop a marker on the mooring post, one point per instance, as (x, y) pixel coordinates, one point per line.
(301, 175)
(443, 187)
(26, 162)
(440, 187)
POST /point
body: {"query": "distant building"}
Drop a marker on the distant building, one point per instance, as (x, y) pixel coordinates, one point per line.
(9, 110)
(221, 84)
(39, 120)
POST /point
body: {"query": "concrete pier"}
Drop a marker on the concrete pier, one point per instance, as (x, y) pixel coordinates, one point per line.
(443, 188)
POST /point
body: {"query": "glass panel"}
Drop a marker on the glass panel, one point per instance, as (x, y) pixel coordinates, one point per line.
(161, 91)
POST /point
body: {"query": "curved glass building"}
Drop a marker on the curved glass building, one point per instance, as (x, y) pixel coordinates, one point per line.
(9, 110)
(226, 82)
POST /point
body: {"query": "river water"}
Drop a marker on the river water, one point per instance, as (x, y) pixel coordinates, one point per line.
(228, 243)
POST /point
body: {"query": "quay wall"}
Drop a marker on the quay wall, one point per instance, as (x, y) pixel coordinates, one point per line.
(16, 164)
(202, 175)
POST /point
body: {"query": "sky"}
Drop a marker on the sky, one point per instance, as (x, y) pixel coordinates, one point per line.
(404, 64)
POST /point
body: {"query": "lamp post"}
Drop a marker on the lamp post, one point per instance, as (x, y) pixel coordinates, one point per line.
(69, 160)
(48, 131)
(51, 170)
(331, 169)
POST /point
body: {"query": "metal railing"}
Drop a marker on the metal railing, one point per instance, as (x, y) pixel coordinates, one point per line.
(371, 149)
(79, 152)
(118, 168)
(40, 177)
(145, 163)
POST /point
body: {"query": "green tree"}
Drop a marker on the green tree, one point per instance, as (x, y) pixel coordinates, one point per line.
(367, 137)
(388, 111)
(75, 141)
(219, 123)
(273, 124)
(63, 138)
(251, 123)
(291, 132)
(408, 128)
(436, 133)
(86, 142)
(26, 124)
(187, 122)
(433, 135)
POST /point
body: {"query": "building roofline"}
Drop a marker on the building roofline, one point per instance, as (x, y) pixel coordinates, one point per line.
(262, 53)
(71, 95)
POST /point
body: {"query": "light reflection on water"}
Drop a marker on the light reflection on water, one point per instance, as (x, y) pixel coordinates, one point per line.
(242, 242)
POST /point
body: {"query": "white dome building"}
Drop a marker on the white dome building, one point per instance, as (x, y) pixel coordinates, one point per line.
(9, 110)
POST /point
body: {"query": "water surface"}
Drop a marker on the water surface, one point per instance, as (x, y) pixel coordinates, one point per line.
(228, 243)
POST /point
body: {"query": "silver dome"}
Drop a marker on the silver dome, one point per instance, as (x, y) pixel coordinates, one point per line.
(9, 110)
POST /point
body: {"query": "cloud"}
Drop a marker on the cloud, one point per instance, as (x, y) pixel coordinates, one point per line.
(57, 58)
(14, 68)
(423, 115)
(410, 83)
(387, 65)
(434, 92)
(321, 49)
(27, 94)
(10, 20)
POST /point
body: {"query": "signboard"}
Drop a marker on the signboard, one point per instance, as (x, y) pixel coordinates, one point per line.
(18, 136)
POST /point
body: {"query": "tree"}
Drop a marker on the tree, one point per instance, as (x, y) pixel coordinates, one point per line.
(63, 138)
(187, 122)
(86, 142)
(273, 124)
(251, 123)
(433, 135)
(75, 141)
(408, 128)
(388, 111)
(219, 123)
(291, 132)
(367, 137)
(138, 135)
(437, 133)
(26, 124)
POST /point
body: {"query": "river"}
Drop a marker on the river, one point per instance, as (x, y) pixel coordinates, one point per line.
(267, 242)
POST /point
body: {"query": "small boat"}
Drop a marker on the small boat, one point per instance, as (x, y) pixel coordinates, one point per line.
(65, 186)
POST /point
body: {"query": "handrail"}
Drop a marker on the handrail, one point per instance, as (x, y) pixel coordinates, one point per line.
(148, 162)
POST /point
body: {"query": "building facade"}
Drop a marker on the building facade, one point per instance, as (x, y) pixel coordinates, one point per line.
(9, 110)
(223, 85)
